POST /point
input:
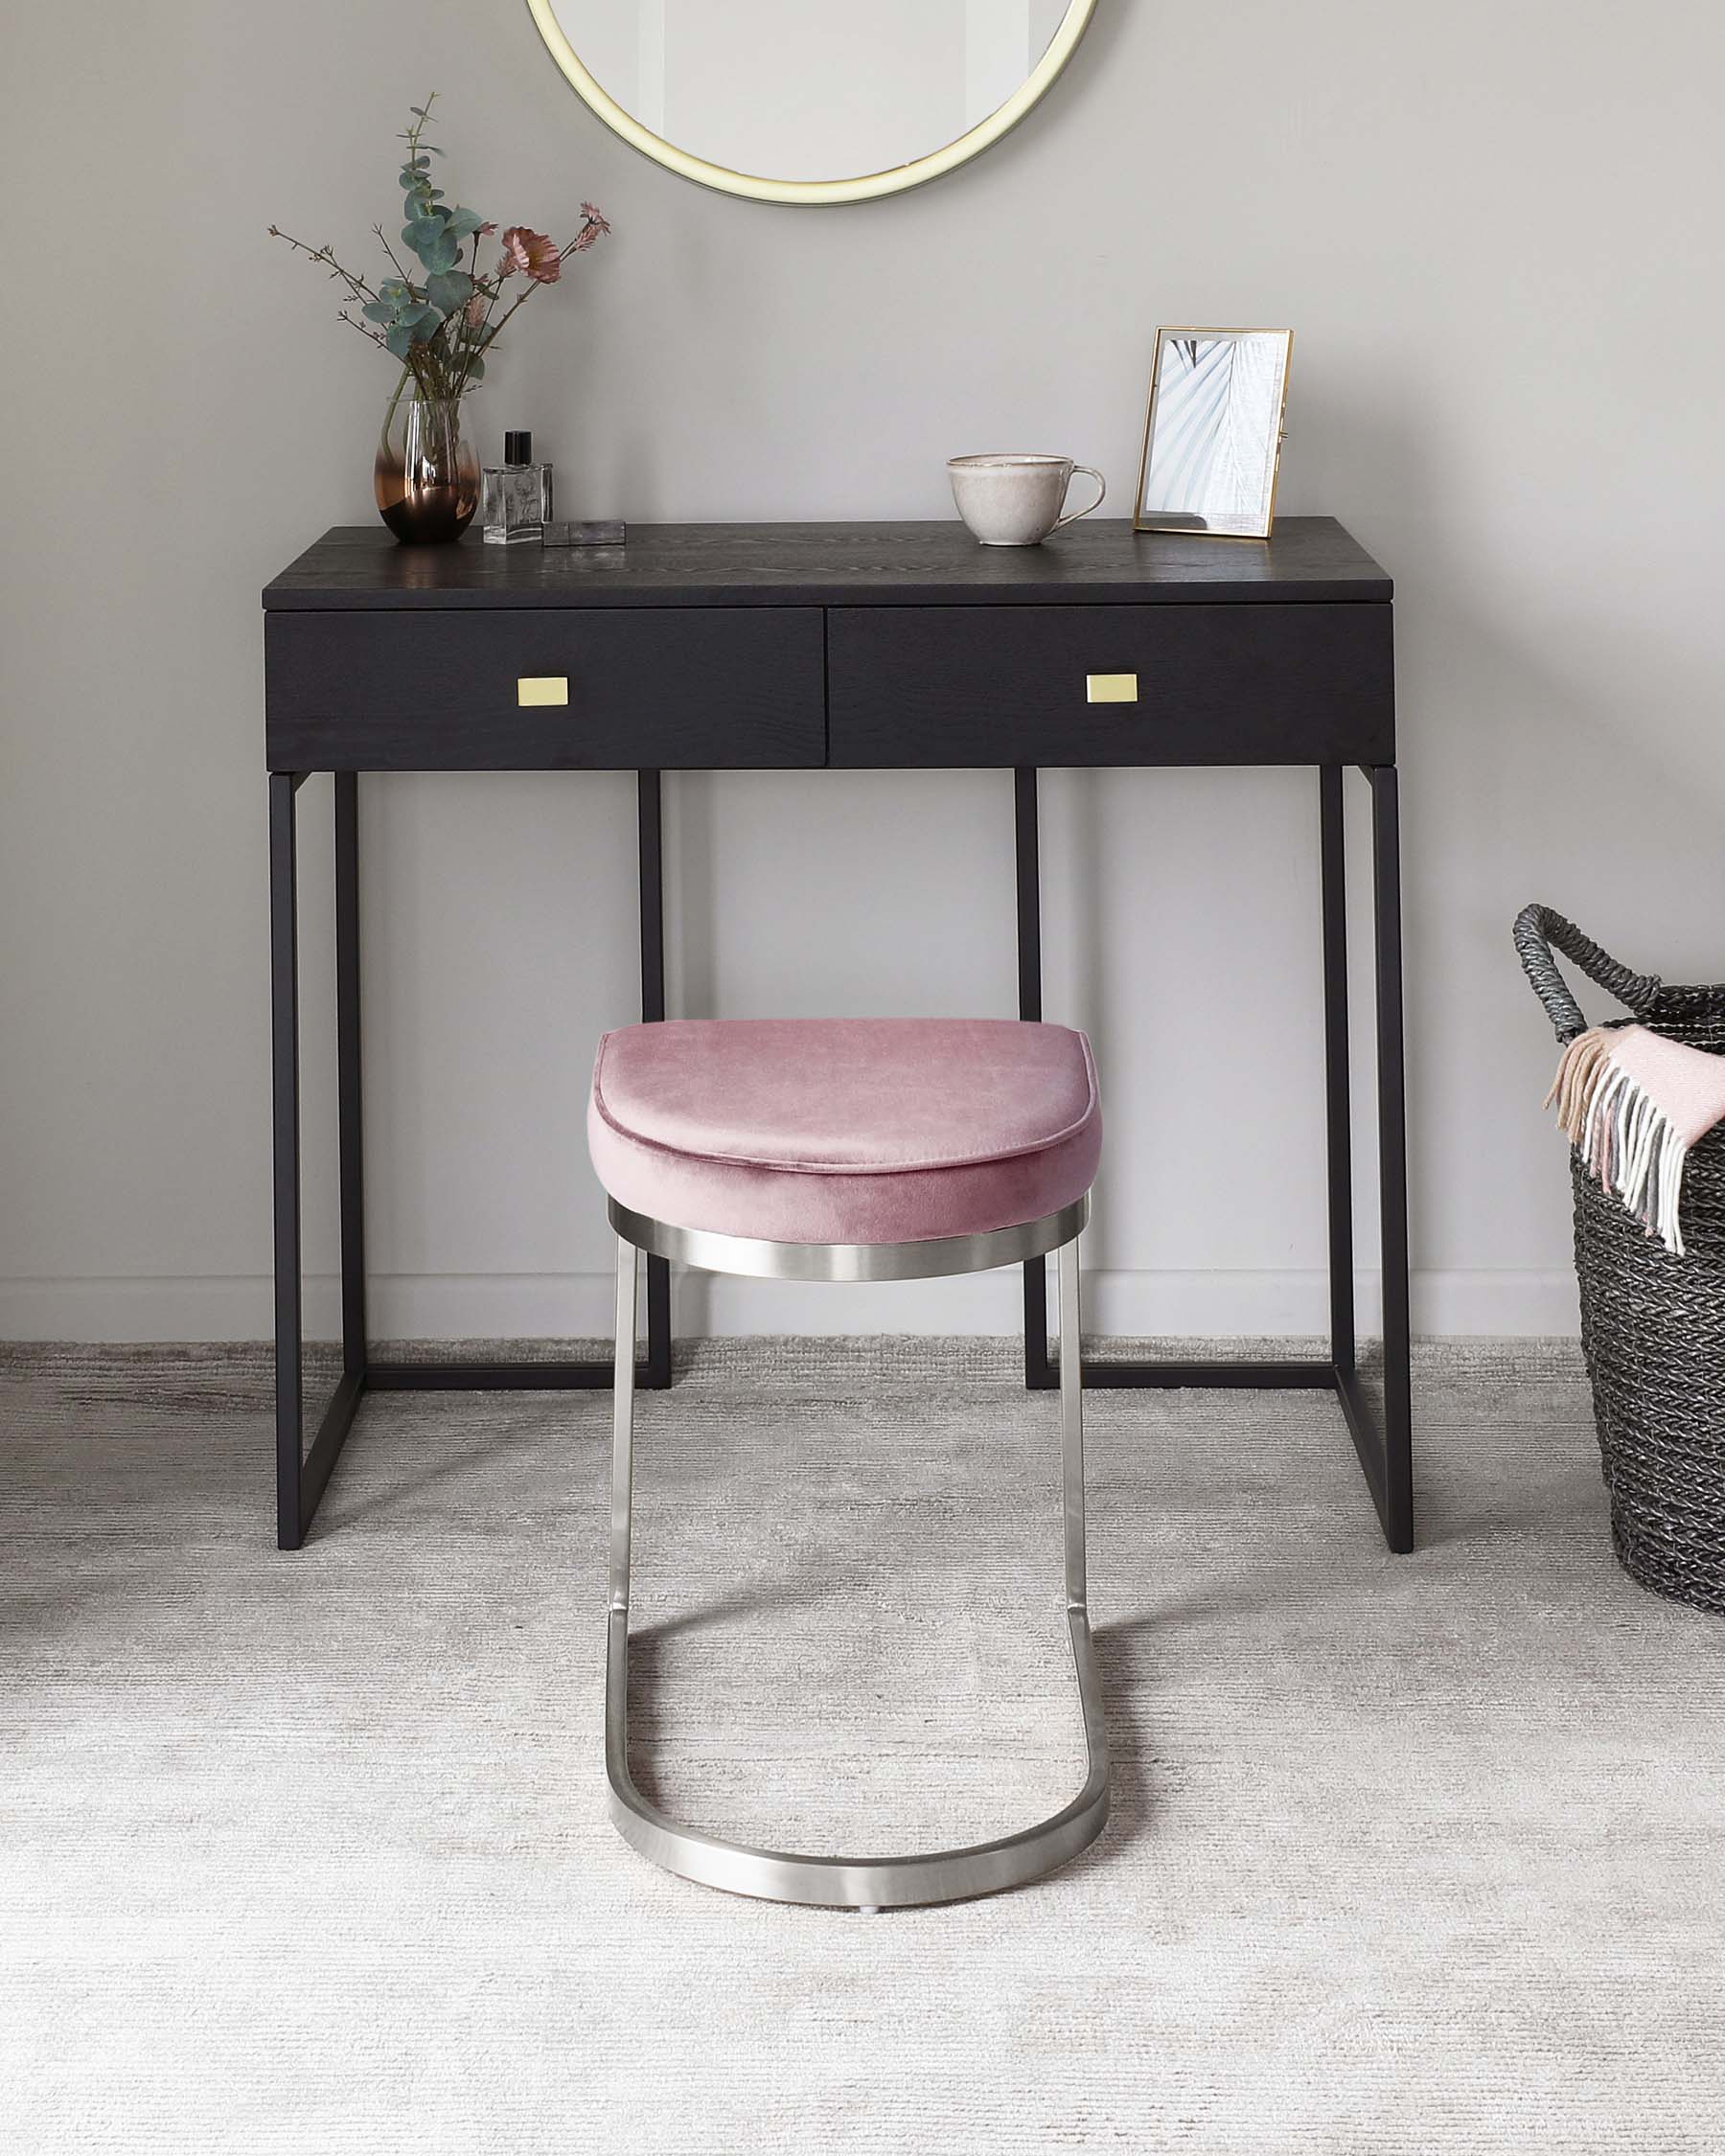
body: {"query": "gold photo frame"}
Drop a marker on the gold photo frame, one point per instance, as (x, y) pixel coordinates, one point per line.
(1214, 432)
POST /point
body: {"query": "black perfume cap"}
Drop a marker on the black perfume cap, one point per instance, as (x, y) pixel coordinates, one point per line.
(517, 445)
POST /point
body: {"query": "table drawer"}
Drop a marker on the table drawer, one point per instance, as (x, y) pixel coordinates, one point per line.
(701, 688)
(1172, 685)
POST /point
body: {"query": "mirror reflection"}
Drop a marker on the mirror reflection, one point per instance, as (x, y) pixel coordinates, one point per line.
(1212, 437)
(805, 90)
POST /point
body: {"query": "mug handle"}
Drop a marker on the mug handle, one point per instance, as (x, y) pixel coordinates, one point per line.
(1073, 515)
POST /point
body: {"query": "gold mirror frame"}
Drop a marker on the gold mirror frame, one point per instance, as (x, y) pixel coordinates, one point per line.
(866, 185)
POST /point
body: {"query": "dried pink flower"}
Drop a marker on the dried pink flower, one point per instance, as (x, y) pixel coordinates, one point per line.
(486, 231)
(599, 222)
(476, 309)
(532, 251)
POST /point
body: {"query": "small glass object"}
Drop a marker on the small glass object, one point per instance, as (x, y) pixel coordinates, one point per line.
(427, 470)
(515, 497)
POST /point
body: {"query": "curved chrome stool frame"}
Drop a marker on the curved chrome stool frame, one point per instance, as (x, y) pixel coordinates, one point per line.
(867, 1882)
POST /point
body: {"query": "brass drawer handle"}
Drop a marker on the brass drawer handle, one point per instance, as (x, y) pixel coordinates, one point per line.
(542, 688)
(1111, 688)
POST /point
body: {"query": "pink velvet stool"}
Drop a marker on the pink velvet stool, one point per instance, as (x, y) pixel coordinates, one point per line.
(848, 1149)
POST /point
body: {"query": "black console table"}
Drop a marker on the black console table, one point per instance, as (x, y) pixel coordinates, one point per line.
(842, 647)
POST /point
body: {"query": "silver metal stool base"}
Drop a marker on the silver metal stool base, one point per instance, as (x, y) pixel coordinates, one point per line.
(835, 1882)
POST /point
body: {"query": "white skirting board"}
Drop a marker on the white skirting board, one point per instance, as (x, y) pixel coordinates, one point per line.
(539, 1305)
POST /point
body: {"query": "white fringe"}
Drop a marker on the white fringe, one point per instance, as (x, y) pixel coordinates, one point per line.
(1623, 1136)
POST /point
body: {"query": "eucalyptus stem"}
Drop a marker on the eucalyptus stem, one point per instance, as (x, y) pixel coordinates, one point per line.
(426, 326)
(395, 259)
(357, 285)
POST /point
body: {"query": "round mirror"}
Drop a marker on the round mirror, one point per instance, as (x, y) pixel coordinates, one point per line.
(812, 101)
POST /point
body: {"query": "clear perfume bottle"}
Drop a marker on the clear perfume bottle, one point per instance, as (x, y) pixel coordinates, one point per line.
(516, 495)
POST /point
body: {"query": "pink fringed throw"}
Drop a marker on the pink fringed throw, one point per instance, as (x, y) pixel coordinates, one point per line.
(1632, 1104)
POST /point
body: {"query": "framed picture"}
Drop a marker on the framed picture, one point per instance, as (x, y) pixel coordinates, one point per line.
(1214, 432)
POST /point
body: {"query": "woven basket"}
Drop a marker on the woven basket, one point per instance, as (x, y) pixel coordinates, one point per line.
(1652, 1324)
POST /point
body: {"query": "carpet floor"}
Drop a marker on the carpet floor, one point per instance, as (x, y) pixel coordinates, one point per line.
(307, 1854)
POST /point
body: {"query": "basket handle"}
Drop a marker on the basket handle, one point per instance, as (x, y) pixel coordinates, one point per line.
(1537, 927)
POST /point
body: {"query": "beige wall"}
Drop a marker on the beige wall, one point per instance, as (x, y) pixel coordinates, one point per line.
(1494, 230)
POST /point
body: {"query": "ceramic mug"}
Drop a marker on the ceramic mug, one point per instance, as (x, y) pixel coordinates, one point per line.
(1017, 501)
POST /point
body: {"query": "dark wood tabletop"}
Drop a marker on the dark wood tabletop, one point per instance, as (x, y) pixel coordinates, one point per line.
(1098, 562)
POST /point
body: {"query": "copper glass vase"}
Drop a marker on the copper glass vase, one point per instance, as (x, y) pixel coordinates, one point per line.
(427, 475)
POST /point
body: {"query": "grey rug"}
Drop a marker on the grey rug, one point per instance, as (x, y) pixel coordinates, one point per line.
(306, 1853)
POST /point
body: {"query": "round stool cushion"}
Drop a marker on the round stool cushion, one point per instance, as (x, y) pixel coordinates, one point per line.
(844, 1130)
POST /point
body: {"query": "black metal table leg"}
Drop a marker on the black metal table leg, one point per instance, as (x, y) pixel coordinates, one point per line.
(350, 1105)
(1386, 1455)
(1040, 1374)
(1385, 1449)
(1392, 1159)
(302, 1472)
(656, 1376)
(574, 1376)
(284, 1052)
(1333, 880)
(301, 1475)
